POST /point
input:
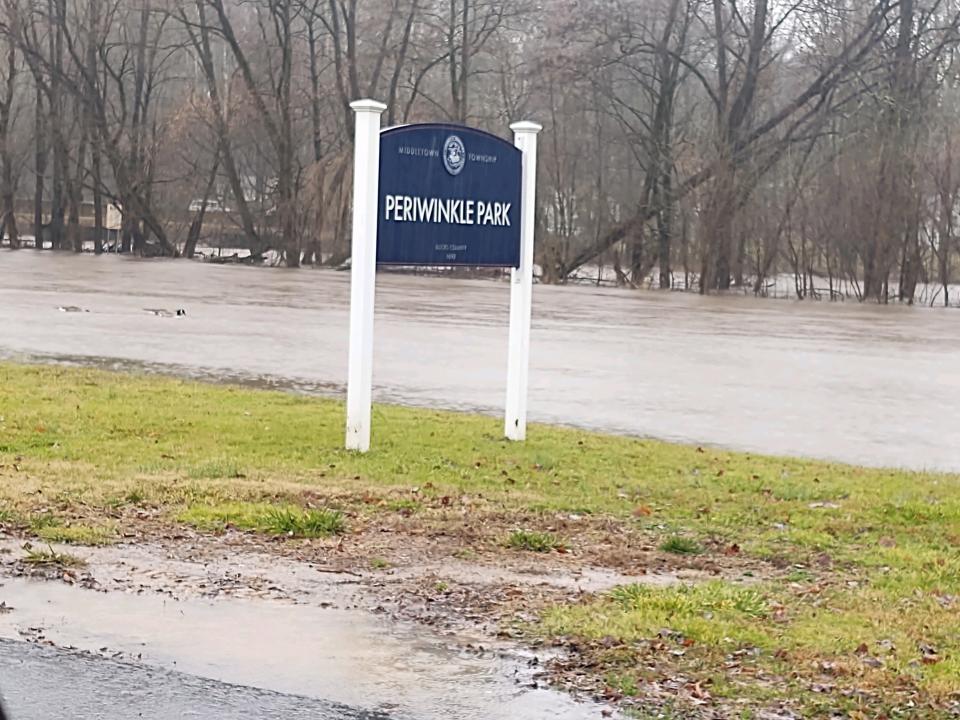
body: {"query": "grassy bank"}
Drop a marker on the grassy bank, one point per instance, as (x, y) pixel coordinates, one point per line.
(847, 598)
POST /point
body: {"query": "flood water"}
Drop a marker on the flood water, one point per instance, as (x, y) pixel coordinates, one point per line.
(856, 383)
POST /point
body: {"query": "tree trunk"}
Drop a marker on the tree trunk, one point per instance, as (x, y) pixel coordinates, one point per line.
(57, 209)
(285, 149)
(315, 112)
(664, 229)
(193, 235)
(718, 222)
(663, 259)
(74, 232)
(56, 196)
(96, 178)
(97, 199)
(7, 183)
(40, 166)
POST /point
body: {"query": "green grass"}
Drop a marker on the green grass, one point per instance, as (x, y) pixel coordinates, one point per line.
(273, 519)
(78, 534)
(304, 523)
(533, 541)
(135, 496)
(44, 521)
(679, 545)
(713, 612)
(842, 557)
(764, 628)
(404, 506)
(623, 684)
(48, 557)
(155, 440)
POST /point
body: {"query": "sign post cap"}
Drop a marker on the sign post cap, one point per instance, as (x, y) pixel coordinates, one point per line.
(525, 126)
(367, 105)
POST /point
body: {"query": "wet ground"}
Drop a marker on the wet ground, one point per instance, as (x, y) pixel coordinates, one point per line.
(48, 683)
(181, 625)
(856, 383)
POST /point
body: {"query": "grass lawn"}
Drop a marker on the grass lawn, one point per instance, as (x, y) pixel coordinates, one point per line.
(857, 612)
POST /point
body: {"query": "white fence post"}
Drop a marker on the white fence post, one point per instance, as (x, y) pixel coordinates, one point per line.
(363, 270)
(521, 288)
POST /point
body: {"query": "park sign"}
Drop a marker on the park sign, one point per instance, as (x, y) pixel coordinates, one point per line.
(448, 195)
(439, 195)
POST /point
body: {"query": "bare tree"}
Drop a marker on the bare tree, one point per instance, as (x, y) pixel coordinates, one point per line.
(7, 171)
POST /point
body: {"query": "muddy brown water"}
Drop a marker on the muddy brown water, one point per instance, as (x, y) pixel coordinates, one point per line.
(856, 383)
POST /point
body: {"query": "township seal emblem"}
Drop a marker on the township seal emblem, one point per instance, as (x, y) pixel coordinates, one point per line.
(454, 155)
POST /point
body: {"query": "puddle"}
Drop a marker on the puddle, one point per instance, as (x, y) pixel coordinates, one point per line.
(46, 683)
(332, 654)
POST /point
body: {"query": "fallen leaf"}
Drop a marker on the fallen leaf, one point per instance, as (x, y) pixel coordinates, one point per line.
(886, 645)
(928, 654)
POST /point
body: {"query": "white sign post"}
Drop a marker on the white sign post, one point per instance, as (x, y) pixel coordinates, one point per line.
(363, 273)
(363, 270)
(521, 288)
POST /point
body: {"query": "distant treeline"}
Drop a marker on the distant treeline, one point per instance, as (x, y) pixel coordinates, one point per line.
(724, 142)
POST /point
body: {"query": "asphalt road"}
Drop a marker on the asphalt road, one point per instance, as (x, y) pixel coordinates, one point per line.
(45, 683)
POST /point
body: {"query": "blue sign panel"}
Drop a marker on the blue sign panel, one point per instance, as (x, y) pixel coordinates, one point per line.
(449, 195)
